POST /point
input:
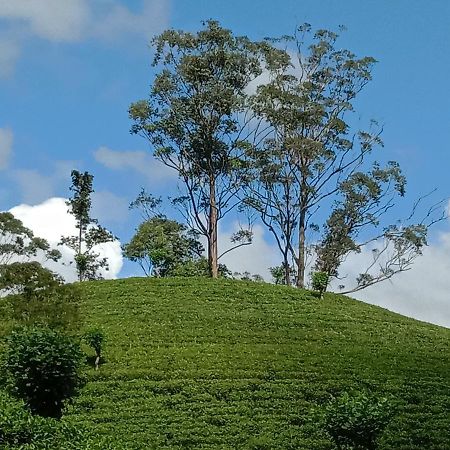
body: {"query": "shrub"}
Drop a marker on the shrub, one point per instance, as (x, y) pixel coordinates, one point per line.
(319, 281)
(95, 339)
(42, 368)
(356, 421)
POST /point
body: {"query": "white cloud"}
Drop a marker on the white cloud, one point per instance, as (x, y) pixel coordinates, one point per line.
(138, 161)
(69, 21)
(50, 220)
(120, 21)
(255, 258)
(9, 53)
(6, 141)
(54, 20)
(422, 292)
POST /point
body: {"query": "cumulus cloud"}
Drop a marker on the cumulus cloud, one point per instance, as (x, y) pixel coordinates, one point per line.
(6, 142)
(50, 220)
(120, 21)
(138, 161)
(422, 292)
(74, 20)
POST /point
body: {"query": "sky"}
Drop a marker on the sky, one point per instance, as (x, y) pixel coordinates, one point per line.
(69, 71)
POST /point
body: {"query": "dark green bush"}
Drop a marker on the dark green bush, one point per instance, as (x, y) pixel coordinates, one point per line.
(357, 421)
(95, 339)
(319, 282)
(42, 368)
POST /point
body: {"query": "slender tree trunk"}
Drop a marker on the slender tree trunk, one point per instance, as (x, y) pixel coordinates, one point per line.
(301, 263)
(80, 236)
(287, 270)
(212, 238)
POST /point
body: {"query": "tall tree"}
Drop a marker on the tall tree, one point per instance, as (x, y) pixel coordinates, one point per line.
(195, 119)
(312, 162)
(90, 234)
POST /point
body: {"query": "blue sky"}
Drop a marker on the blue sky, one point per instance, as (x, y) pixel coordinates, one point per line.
(69, 70)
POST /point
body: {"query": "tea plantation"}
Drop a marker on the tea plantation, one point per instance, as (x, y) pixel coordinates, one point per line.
(204, 364)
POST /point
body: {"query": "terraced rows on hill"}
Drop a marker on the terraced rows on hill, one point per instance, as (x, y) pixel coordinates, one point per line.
(193, 363)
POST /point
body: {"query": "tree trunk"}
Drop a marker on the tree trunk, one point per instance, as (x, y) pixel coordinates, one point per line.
(301, 248)
(212, 231)
(80, 239)
(287, 270)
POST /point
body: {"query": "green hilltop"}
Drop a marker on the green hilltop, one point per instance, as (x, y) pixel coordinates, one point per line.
(222, 364)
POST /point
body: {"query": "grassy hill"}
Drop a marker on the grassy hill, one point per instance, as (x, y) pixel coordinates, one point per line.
(195, 363)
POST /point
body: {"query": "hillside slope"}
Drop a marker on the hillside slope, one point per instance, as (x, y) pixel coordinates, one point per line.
(195, 363)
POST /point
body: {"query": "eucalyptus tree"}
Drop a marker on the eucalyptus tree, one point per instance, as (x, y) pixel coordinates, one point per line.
(90, 234)
(315, 172)
(195, 119)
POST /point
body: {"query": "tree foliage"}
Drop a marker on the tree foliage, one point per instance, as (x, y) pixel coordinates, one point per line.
(356, 421)
(95, 338)
(88, 262)
(21, 258)
(161, 246)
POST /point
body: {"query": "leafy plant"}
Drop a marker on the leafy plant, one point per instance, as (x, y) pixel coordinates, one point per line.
(319, 282)
(95, 339)
(42, 368)
(356, 421)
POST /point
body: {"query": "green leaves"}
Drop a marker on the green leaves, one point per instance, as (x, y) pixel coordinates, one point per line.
(42, 368)
(356, 421)
(88, 263)
(161, 245)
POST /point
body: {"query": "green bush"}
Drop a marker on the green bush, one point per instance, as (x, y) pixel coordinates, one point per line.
(319, 282)
(42, 368)
(356, 421)
(95, 339)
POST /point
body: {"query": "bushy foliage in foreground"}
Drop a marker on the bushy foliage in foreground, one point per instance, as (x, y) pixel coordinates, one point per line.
(355, 421)
(19, 429)
(42, 368)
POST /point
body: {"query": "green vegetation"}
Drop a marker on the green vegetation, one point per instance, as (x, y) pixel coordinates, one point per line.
(220, 364)
(19, 429)
(42, 368)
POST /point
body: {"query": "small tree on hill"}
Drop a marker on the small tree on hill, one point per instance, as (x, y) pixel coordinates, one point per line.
(161, 245)
(87, 261)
